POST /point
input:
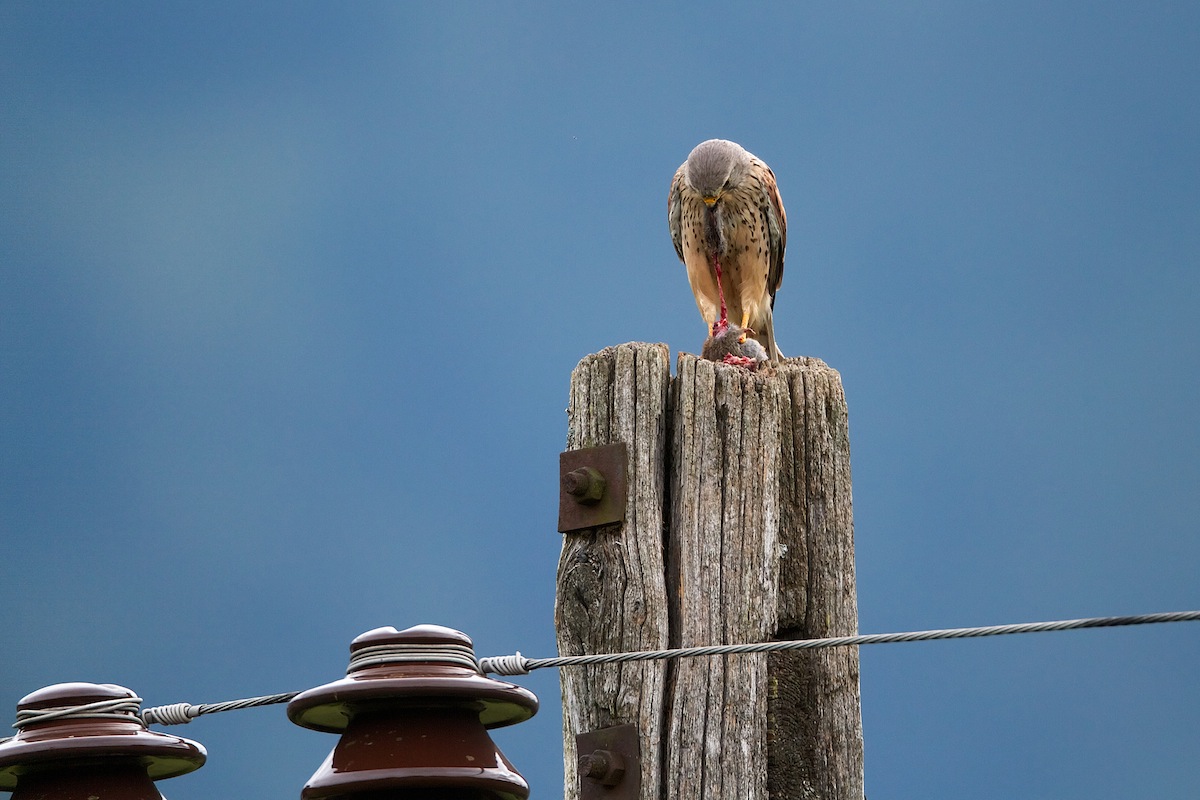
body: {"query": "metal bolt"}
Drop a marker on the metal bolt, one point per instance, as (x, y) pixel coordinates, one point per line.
(604, 766)
(585, 484)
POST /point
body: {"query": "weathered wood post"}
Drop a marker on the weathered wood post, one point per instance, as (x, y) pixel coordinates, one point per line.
(612, 580)
(754, 472)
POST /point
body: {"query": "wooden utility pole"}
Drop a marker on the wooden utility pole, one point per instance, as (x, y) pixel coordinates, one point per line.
(738, 528)
(612, 592)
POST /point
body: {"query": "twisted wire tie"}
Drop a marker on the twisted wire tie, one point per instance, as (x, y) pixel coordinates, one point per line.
(183, 713)
(516, 664)
(123, 708)
(460, 654)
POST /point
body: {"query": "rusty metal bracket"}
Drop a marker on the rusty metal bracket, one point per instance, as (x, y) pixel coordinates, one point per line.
(610, 763)
(592, 486)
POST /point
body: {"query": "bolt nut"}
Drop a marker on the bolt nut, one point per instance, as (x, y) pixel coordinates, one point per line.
(604, 766)
(585, 484)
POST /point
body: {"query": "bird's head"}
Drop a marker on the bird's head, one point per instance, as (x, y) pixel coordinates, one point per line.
(716, 166)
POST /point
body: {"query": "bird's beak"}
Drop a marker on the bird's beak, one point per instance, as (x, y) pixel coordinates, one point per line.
(708, 201)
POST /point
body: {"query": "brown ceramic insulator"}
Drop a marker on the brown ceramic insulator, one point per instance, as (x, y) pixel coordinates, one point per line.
(74, 758)
(413, 714)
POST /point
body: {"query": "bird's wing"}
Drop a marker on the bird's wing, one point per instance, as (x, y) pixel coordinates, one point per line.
(675, 210)
(772, 207)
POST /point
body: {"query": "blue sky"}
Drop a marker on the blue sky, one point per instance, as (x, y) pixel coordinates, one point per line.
(290, 296)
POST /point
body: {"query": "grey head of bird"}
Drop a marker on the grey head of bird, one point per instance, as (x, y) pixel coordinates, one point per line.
(715, 166)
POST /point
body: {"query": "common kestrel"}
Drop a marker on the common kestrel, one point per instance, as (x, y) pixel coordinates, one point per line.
(728, 225)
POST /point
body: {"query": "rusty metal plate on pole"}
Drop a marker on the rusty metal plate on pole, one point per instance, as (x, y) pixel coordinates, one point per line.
(592, 486)
(610, 763)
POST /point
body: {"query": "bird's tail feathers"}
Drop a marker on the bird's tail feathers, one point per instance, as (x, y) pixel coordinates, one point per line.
(766, 338)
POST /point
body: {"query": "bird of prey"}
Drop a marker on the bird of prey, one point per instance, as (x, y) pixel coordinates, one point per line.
(731, 344)
(729, 228)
